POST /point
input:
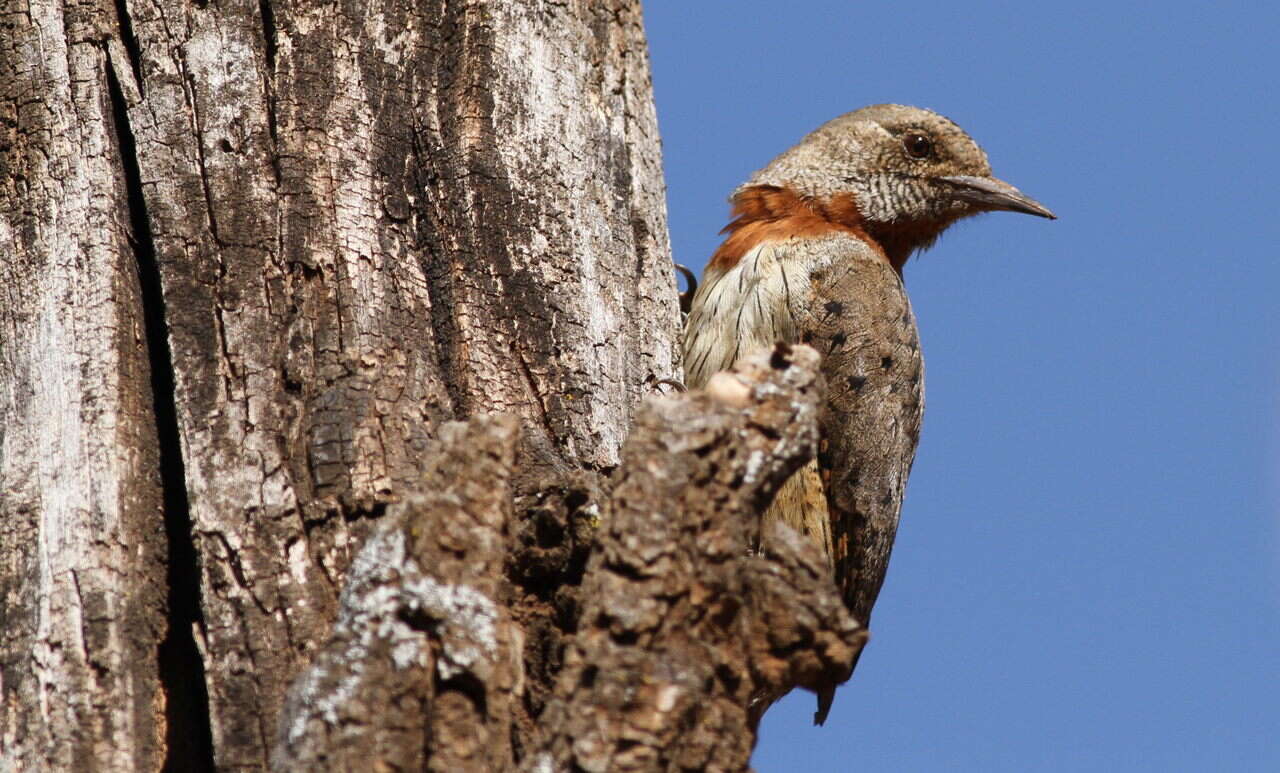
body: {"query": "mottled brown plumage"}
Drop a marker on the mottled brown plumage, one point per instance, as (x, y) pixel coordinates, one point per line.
(814, 255)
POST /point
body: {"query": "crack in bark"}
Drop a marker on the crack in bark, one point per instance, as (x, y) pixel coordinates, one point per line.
(535, 394)
(189, 738)
(189, 85)
(270, 43)
(130, 42)
(268, 34)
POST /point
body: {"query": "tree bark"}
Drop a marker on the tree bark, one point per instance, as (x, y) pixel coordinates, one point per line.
(259, 258)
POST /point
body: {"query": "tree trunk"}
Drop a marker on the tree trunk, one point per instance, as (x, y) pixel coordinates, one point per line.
(283, 280)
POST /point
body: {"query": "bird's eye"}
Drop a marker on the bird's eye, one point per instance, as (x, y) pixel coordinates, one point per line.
(917, 145)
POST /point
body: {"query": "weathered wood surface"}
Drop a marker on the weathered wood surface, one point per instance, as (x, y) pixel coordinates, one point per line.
(82, 538)
(354, 222)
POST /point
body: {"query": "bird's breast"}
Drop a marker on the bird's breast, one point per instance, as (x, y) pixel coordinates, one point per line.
(756, 301)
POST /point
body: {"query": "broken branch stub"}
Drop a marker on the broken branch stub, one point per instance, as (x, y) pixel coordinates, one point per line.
(684, 616)
(684, 623)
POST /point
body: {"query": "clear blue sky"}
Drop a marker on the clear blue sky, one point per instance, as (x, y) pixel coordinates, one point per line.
(1087, 576)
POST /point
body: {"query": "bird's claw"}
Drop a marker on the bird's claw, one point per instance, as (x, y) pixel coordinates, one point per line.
(686, 297)
(676, 385)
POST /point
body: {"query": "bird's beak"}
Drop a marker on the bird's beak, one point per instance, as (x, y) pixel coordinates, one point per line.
(990, 193)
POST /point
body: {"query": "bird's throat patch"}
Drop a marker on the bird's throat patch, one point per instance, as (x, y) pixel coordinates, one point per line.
(769, 213)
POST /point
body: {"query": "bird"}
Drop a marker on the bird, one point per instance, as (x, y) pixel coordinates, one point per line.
(814, 254)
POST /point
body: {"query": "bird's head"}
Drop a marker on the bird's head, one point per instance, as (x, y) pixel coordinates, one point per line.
(910, 173)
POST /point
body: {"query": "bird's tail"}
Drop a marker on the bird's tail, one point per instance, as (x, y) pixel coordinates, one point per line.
(826, 696)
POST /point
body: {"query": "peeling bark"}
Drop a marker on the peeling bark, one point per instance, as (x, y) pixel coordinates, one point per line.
(257, 258)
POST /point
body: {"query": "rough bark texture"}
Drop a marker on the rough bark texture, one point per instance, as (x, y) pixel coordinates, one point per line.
(255, 257)
(679, 623)
(683, 623)
(82, 537)
(423, 669)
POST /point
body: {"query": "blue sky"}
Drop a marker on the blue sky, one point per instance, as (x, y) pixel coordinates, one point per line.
(1087, 576)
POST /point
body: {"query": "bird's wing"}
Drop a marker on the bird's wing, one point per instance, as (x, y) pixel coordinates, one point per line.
(858, 317)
